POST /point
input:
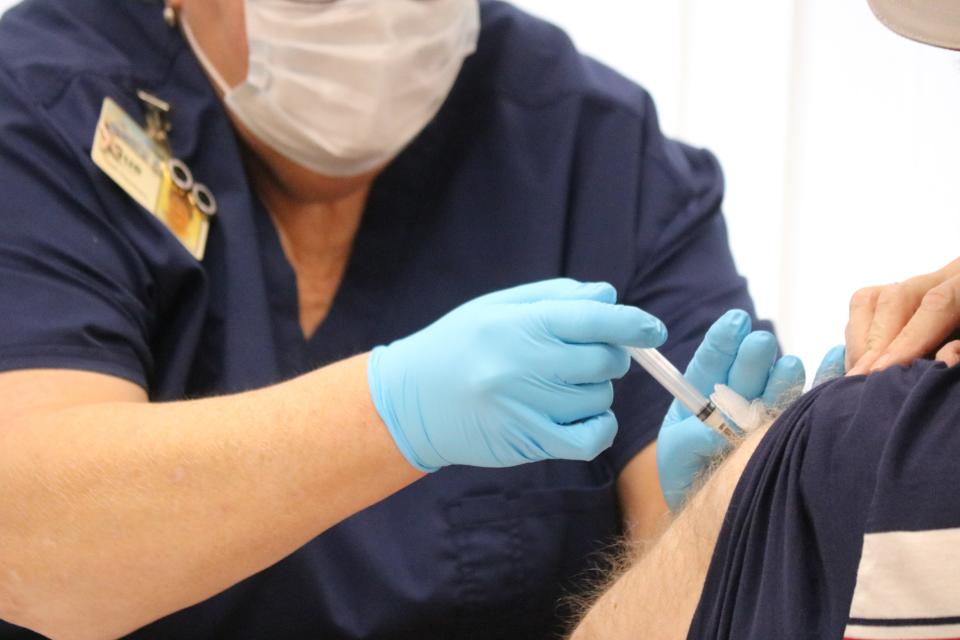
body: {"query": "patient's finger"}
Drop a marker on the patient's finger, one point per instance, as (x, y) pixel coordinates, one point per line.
(937, 317)
(895, 306)
(862, 306)
(950, 353)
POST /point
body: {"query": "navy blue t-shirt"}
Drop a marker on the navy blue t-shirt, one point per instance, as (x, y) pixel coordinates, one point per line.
(846, 522)
(541, 163)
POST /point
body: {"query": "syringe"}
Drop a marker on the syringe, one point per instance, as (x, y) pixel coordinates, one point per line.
(673, 381)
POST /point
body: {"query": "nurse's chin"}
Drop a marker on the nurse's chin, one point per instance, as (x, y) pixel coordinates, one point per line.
(269, 169)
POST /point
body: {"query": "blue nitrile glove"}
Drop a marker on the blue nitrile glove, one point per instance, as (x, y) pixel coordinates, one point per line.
(832, 366)
(512, 377)
(730, 354)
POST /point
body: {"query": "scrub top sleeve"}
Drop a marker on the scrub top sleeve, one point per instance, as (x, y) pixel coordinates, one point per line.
(685, 274)
(72, 287)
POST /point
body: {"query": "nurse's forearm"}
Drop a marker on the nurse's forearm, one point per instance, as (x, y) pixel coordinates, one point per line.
(656, 598)
(114, 515)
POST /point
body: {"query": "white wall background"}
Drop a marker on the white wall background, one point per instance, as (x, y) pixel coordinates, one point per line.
(839, 139)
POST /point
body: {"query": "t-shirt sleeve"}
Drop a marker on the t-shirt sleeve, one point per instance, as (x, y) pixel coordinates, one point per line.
(685, 274)
(73, 290)
(846, 521)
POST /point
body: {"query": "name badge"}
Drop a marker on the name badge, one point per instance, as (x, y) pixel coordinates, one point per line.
(159, 183)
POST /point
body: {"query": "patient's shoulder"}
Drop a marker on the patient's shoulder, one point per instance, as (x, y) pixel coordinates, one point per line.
(842, 439)
(902, 388)
(922, 399)
(856, 456)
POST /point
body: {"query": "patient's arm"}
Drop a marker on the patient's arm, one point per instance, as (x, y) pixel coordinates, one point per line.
(656, 597)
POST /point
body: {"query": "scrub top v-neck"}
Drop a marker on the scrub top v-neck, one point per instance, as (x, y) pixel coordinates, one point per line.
(541, 163)
(358, 314)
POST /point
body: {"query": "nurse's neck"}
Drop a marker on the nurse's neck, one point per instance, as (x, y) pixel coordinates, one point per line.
(316, 217)
(285, 185)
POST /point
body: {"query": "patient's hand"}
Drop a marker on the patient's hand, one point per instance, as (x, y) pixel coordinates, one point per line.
(897, 323)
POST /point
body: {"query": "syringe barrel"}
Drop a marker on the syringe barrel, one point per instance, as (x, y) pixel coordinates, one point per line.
(667, 375)
(673, 381)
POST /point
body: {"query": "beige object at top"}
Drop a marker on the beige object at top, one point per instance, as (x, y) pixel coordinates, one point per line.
(935, 22)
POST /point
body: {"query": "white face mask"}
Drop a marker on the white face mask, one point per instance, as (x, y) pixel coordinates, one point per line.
(342, 86)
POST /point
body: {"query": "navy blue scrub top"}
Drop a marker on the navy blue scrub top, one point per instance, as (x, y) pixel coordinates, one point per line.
(542, 163)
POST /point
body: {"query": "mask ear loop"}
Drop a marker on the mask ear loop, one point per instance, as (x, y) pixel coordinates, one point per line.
(204, 60)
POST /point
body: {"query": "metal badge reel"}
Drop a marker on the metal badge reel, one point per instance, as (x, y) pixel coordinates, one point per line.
(203, 199)
(180, 175)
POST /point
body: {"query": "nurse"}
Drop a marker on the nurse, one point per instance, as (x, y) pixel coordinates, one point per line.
(211, 207)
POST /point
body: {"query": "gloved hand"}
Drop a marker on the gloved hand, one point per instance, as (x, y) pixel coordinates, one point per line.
(832, 366)
(512, 377)
(730, 354)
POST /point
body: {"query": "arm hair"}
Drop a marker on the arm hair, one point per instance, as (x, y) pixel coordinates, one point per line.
(654, 589)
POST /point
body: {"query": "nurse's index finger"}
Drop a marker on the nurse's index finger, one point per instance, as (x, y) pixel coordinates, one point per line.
(588, 321)
(716, 354)
(936, 318)
(555, 289)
